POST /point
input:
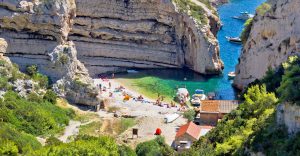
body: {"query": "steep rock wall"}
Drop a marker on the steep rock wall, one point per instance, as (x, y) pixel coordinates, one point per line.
(37, 32)
(33, 29)
(116, 34)
(274, 36)
(289, 115)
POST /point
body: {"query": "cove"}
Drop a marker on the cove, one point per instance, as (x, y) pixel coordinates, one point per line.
(165, 81)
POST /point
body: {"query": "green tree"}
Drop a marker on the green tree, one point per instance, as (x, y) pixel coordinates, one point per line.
(83, 145)
(156, 147)
(290, 84)
(50, 96)
(189, 114)
(32, 70)
(8, 147)
(126, 151)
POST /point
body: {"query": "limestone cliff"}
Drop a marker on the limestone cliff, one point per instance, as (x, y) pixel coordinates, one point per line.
(289, 115)
(112, 35)
(37, 32)
(118, 34)
(63, 37)
(274, 36)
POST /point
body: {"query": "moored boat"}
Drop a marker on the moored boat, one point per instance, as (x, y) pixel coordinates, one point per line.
(231, 75)
(182, 95)
(197, 97)
(171, 117)
(243, 16)
(234, 39)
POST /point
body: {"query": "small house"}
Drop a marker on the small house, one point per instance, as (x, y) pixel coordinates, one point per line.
(187, 134)
(210, 111)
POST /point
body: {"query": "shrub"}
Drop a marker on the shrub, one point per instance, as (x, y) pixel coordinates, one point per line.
(50, 96)
(125, 151)
(290, 85)
(8, 147)
(33, 97)
(83, 145)
(41, 79)
(9, 134)
(32, 70)
(246, 31)
(3, 83)
(63, 58)
(31, 117)
(156, 147)
(53, 141)
(189, 114)
(263, 8)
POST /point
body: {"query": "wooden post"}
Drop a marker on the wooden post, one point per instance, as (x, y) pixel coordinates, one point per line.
(135, 132)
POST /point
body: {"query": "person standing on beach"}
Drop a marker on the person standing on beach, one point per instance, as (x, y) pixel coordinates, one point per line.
(113, 75)
(109, 85)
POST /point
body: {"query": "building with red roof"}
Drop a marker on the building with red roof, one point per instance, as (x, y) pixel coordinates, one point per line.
(187, 134)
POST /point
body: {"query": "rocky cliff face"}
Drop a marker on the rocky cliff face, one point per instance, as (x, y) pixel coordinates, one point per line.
(112, 35)
(274, 36)
(63, 37)
(37, 32)
(289, 115)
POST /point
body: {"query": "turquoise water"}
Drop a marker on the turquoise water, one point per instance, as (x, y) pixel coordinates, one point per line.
(165, 81)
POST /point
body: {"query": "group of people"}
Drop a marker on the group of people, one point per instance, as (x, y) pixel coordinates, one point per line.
(127, 97)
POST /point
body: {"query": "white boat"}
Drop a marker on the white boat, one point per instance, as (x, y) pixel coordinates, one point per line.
(196, 102)
(231, 75)
(132, 71)
(171, 117)
(234, 39)
(183, 95)
(197, 97)
(243, 16)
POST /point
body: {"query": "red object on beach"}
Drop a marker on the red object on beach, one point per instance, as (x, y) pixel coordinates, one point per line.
(158, 131)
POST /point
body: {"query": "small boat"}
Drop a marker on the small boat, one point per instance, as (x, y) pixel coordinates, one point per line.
(171, 117)
(197, 97)
(243, 16)
(231, 75)
(183, 95)
(234, 39)
(132, 71)
(196, 102)
(211, 95)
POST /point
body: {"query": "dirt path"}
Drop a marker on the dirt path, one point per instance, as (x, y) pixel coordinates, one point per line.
(71, 130)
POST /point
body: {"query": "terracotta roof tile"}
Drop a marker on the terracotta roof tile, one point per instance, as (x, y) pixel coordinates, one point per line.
(210, 105)
(222, 106)
(191, 129)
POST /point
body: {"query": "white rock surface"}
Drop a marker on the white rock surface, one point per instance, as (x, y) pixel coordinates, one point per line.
(274, 36)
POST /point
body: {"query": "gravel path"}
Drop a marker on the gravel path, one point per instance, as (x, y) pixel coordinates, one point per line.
(71, 130)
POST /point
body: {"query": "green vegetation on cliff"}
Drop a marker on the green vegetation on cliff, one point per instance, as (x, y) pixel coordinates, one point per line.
(252, 127)
(263, 8)
(23, 118)
(194, 10)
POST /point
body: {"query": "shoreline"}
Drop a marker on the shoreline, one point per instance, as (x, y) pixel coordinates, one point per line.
(144, 112)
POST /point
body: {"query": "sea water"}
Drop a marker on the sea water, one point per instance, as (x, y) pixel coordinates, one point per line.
(164, 82)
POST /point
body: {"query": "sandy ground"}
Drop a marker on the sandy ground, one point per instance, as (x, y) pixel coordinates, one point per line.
(71, 130)
(149, 116)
